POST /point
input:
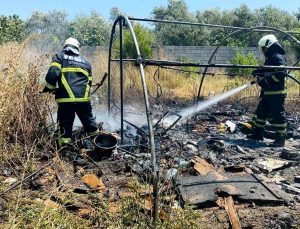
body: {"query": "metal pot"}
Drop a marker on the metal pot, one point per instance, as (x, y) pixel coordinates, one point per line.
(105, 144)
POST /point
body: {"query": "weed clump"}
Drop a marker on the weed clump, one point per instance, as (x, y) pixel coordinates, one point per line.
(23, 110)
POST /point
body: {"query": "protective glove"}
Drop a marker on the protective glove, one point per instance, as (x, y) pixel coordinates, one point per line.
(256, 72)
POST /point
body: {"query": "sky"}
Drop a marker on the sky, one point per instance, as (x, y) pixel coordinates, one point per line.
(136, 8)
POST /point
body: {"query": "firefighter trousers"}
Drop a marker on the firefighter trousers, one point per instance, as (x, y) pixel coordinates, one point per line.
(271, 108)
(66, 115)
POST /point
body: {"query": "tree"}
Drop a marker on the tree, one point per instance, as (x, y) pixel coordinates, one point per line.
(271, 16)
(114, 13)
(145, 39)
(11, 29)
(215, 16)
(52, 27)
(241, 59)
(170, 34)
(90, 30)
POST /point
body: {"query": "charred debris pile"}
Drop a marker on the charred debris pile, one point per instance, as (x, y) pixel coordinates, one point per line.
(204, 162)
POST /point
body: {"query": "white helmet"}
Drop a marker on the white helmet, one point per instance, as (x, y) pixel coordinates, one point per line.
(267, 41)
(72, 45)
(73, 42)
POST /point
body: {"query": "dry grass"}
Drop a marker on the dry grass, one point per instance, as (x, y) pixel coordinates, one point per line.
(174, 85)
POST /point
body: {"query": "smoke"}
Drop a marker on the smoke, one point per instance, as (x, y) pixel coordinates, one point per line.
(112, 122)
(191, 111)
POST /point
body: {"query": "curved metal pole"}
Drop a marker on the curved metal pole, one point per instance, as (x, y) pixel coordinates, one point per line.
(148, 113)
(121, 80)
(113, 30)
(235, 33)
(199, 24)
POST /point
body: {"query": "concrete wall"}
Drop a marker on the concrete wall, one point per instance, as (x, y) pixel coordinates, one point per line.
(202, 54)
(199, 54)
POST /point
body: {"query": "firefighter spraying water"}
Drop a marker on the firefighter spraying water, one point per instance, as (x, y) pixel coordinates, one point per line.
(273, 92)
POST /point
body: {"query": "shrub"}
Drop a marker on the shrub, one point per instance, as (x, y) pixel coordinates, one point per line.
(241, 59)
(145, 39)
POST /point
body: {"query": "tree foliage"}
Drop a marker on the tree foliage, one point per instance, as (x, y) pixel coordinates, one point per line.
(241, 59)
(11, 29)
(170, 34)
(52, 27)
(145, 40)
(241, 17)
(90, 30)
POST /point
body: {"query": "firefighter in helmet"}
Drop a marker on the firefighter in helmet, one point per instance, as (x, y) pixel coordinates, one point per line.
(273, 92)
(70, 77)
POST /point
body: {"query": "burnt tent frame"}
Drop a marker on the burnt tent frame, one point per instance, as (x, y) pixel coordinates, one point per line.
(125, 22)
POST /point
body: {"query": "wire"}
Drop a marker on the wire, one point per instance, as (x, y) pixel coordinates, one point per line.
(202, 24)
(293, 78)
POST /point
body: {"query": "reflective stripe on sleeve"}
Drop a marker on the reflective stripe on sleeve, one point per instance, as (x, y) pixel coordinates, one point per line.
(282, 92)
(51, 87)
(55, 64)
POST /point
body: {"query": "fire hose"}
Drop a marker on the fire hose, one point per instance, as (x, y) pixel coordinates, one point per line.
(287, 74)
(293, 78)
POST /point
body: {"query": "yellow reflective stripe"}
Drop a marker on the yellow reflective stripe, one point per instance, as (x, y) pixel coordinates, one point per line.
(55, 64)
(275, 79)
(75, 70)
(72, 100)
(51, 87)
(87, 90)
(279, 125)
(258, 125)
(90, 78)
(67, 86)
(64, 141)
(281, 131)
(275, 92)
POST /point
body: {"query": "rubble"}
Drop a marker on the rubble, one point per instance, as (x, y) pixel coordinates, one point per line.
(290, 154)
(198, 166)
(271, 164)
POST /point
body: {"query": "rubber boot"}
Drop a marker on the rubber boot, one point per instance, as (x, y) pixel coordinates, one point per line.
(278, 142)
(258, 135)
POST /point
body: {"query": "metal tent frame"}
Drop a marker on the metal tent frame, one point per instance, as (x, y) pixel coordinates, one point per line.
(125, 22)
